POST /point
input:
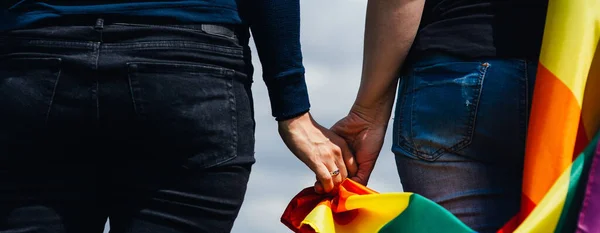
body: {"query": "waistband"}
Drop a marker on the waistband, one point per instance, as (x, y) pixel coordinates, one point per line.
(228, 30)
(125, 28)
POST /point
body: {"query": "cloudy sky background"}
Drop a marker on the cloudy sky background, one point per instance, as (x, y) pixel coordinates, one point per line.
(332, 41)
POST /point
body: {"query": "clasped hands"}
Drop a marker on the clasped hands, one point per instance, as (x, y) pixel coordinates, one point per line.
(348, 150)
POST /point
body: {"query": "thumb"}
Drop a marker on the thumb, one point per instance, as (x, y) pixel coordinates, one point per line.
(319, 188)
(359, 180)
(363, 173)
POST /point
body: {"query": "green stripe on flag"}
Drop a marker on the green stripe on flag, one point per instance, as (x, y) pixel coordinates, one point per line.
(425, 216)
(577, 183)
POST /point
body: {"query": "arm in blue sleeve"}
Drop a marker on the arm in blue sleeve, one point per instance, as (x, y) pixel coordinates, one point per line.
(275, 26)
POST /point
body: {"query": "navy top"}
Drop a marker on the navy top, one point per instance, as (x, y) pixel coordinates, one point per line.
(275, 26)
(482, 28)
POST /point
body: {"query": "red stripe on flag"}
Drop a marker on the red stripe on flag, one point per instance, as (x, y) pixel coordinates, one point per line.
(510, 226)
(582, 139)
(527, 207)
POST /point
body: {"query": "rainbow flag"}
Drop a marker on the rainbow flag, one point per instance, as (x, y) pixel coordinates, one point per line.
(560, 208)
(565, 116)
(357, 209)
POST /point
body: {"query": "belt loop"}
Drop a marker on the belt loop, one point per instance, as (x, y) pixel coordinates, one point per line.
(99, 24)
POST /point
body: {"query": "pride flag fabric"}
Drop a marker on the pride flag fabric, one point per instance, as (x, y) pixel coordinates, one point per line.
(560, 208)
(357, 209)
(561, 182)
(565, 114)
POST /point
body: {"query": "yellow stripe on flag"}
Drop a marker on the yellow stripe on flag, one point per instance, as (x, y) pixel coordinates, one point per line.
(374, 212)
(570, 41)
(320, 219)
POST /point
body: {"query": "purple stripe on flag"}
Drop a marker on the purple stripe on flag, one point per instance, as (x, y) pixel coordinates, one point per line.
(589, 217)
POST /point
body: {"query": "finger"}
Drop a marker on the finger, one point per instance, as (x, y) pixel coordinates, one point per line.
(340, 163)
(347, 155)
(334, 175)
(324, 177)
(319, 188)
(364, 172)
(349, 160)
(335, 163)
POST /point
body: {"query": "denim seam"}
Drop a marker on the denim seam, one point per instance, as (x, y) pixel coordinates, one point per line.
(59, 60)
(190, 67)
(202, 29)
(403, 141)
(99, 28)
(134, 87)
(227, 73)
(482, 73)
(473, 114)
(96, 55)
(412, 119)
(97, 83)
(400, 105)
(237, 52)
(233, 103)
(26, 41)
(135, 107)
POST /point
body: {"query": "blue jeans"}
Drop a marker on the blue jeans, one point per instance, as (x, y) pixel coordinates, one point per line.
(459, 134)
(149, 125)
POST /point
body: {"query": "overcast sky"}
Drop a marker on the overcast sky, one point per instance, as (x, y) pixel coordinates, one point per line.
(332, 36)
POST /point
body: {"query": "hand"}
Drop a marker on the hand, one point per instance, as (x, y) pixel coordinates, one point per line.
(320, 149)
(364, 135)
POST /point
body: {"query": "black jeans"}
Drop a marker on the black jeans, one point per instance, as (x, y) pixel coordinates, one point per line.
(151, 126)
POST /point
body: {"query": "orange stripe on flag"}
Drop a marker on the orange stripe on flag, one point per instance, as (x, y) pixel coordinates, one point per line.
(555, 104)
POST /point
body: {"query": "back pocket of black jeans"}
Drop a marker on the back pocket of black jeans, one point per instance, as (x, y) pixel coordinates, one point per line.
(437, 108)
(27, 87)
(190, 108)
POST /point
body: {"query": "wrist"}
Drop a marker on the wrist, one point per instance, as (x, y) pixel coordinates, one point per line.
(302, 127)
(301, 119)
(284, 118)
(376, 114)
(375, 105)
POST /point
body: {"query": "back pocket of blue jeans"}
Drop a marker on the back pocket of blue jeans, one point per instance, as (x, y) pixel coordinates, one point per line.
(437, 107)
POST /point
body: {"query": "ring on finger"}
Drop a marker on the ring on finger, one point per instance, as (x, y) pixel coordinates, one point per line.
(335, 173)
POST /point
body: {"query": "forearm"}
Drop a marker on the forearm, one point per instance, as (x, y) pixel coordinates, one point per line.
(391, 26)
(275, 27)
